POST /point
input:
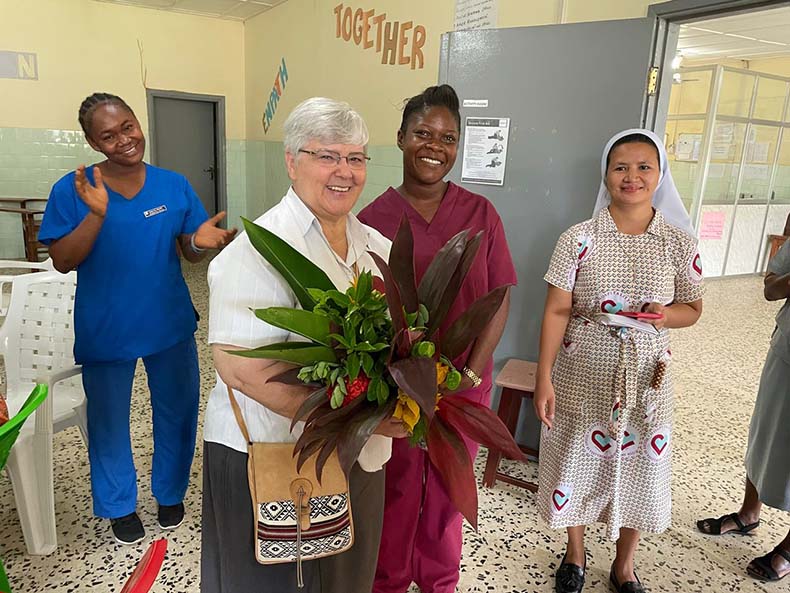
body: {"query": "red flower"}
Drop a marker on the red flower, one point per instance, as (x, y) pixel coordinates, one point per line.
(354, 388)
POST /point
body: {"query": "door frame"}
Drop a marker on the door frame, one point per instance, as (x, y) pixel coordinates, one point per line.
(669, 16)
(221, 186)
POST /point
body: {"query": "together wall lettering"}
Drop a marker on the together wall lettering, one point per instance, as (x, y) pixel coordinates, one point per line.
(390, 38)
(274, 97)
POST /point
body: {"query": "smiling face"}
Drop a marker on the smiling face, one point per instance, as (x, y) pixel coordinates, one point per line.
(429, 145)
(329, 189)
(632, 173)
(115, 132)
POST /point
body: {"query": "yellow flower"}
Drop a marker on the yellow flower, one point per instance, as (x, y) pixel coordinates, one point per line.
(407, 410)
(441, 372)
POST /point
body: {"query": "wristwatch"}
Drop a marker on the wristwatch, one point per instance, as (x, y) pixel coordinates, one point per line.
(473, 376)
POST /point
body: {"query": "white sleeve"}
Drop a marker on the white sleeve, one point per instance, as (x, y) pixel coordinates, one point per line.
(240, 280)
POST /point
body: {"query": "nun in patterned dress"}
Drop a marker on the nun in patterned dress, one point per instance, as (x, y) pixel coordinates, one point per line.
(604, 392)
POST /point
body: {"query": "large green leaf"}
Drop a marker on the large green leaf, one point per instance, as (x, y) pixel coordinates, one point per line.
(450, 293)
(480, 424)
(416, 376)
(305, 323)
(449, 456)
(357, 431)
(298, 271)
(471, 323)
(301, 353)
(441, 269)
(401, 262)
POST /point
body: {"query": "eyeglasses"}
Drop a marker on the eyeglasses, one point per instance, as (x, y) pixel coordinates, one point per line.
(329, 158)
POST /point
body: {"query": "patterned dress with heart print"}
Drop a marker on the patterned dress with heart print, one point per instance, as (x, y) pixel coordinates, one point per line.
(607, 457)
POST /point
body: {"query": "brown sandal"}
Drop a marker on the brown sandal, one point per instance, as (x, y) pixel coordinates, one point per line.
(714, 525)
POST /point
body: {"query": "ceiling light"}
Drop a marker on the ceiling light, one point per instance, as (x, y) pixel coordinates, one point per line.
(676, 61)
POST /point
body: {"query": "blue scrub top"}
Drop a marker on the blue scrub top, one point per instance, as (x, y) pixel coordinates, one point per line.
(131, 298)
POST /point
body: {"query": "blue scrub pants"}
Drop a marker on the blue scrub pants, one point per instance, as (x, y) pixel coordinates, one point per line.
(174, 382)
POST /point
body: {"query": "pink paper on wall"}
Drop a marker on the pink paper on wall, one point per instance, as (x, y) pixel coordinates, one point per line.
(712, 225)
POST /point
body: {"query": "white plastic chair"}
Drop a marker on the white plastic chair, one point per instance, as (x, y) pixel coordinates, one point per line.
(36, 342)
(5, 279)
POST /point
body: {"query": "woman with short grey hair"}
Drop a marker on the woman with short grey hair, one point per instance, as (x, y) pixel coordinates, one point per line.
(325, 154)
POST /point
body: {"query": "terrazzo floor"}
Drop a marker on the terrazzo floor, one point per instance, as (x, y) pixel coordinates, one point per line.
(716, 364)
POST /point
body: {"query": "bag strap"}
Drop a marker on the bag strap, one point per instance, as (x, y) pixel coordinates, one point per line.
(237, 412)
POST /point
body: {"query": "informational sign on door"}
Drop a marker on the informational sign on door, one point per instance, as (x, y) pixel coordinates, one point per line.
(485, 150)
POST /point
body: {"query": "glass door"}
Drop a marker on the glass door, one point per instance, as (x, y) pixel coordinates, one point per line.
(751, 205)
(717, 210)
(779, 200)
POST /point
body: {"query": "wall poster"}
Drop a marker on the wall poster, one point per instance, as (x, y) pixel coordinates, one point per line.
(485, 150)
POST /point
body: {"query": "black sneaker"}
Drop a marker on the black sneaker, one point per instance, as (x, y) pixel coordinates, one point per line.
(128, 530)
(170, 516)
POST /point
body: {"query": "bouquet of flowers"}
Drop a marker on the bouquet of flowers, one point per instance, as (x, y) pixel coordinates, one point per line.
(373, 352)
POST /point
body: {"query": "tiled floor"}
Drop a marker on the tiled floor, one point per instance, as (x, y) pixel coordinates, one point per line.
(717, 367)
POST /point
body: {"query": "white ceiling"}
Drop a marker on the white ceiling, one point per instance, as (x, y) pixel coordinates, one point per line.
(235, 10)
(764, 34)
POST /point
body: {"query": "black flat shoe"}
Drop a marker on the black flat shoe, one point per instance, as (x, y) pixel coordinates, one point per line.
(570, 578)
(628, 586)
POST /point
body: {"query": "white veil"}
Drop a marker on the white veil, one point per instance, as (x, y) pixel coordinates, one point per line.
(666, 197)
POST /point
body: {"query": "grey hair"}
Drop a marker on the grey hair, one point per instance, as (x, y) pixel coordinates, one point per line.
(325, 120)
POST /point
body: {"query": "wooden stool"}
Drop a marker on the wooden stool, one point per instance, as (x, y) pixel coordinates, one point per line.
(517, 380)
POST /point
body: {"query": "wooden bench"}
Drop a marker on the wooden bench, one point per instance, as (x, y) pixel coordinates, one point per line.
(517, 380)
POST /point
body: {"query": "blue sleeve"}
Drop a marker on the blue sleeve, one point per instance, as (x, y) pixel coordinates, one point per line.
(195, 214)
(62, 214)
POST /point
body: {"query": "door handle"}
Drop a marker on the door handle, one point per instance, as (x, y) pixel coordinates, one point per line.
(210, 170)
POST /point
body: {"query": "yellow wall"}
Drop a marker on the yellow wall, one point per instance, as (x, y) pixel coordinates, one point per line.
(318, 63)
(85, 46)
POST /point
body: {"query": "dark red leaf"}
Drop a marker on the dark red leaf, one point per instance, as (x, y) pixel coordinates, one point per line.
(378, 284)
(401, 263)
(441, 269)
(416, 376)
(310, 442)
(449, 456)
(323, 456)
(341, 412)
(313, 401)
(454, 285)
(480, 424)
(357, 431)
(471, 323)
(393, 294)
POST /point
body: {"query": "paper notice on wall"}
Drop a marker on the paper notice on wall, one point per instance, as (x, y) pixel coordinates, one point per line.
(485, 150)
(711, 226)
(475, 14)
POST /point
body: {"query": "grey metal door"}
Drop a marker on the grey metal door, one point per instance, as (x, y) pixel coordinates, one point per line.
(567, 89)
(185, 142)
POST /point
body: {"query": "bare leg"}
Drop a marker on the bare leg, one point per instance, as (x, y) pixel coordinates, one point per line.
(575, 551)
(750, 509)
(626, 550)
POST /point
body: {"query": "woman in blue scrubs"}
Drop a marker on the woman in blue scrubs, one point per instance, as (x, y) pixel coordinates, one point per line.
(117, 223)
